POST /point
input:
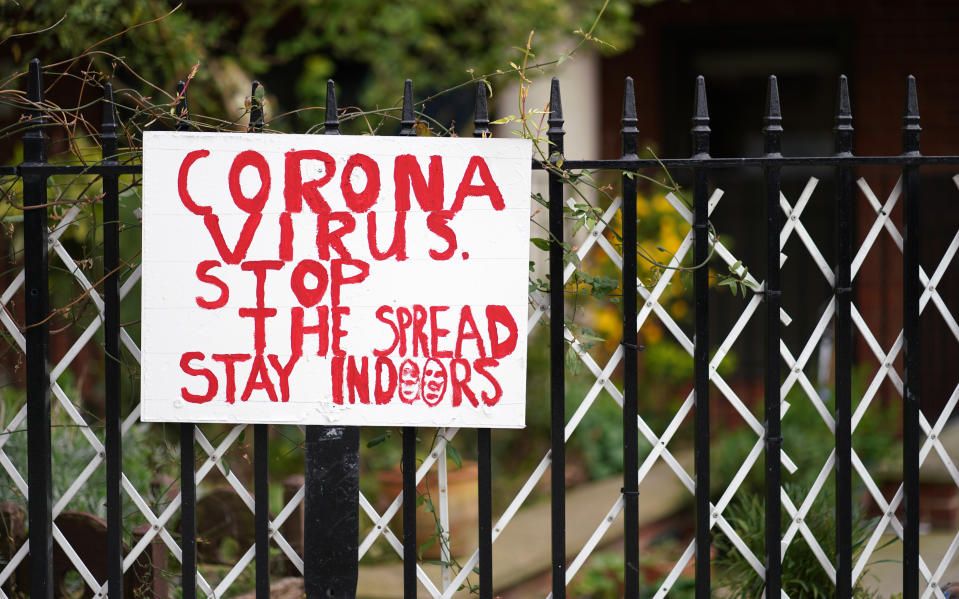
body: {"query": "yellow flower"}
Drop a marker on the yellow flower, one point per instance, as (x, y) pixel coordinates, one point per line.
(608, 324)
(608, 321)
(651, 332)
(642, 207)
(679, 308)
(661, 204)
(670, 241)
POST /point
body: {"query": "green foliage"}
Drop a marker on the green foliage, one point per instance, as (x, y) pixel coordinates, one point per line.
(163, 48)
(293, 46)
(598, 440)
(144, 458)
(807, 440)
(602, 578)
(803, 575)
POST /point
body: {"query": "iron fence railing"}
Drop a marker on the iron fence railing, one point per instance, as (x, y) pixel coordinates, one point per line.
(330, 545)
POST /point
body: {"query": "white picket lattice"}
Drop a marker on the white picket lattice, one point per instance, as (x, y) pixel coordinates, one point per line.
(650, 308)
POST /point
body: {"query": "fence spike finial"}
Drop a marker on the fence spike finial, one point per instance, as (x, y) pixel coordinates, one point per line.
(843, 106)
(257, 94)
(700, 120)
(910, 119)
(843, 128)
(35, 138)
(407, 119)
(912, 100)
(629, 132)
(108, 126)
(555, 119)
(35, 81)
(701, 110)
(332, 122)
(109, 122)
(773, 109)
(629, 103)
(181, 111)
(481, 111)
(772, 121)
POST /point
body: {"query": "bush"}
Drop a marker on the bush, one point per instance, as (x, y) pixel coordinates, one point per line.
(803, 575)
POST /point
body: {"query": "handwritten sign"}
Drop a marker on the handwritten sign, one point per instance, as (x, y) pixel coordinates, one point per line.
(336, 280)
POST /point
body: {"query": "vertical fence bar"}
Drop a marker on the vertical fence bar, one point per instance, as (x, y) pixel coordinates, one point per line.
(187, 511)
(331, 518)
(485, 484)
(630, 141)
(261, 501)
(700, 134)
(37, 308)
(331, 515)
(187, 437)
(407, 121)
(557, 374)
(111, 334)
(843, 329)
(409, 512)
(261, 432)
(772, 138)
(485, 471)
(910, 324)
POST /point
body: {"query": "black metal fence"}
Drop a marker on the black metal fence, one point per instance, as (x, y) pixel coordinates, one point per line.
(330, 565)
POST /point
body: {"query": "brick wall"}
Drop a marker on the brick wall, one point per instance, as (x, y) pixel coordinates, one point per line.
(877, 44)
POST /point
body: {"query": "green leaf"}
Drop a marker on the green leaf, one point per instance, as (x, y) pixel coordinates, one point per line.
(540, 243)
(436, 562)
(454, 454)
(577, 225)
(587, 337)
(427, 544)
(572, 361)
(377, 440)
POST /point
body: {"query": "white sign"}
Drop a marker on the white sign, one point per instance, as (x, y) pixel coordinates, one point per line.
(336, 280)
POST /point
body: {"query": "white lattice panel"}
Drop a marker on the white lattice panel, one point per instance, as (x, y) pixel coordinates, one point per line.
(651, 308)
